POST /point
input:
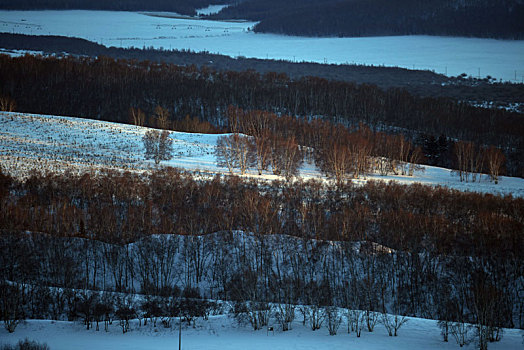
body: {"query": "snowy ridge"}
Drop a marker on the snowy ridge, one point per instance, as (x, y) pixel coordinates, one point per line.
(52, 143)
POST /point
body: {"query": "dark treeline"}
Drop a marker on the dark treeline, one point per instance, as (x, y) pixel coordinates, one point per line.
(406, 250)
(487, 18)
(186, 7)
(416, 82)
(106, 89)
(120, 207)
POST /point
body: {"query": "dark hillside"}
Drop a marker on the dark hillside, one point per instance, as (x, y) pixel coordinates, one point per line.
(186, 7)
(354, 18)
(416, 82)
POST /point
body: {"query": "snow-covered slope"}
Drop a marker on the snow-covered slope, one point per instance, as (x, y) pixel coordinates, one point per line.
(446, 55)
(41, 142)
(223, 333)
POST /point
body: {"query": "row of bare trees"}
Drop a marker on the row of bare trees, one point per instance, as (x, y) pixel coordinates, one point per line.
(340, 152)
(472, 159)
(243, 152)
(370, 283)
(395, 250)
(117, 207)
(81, 85)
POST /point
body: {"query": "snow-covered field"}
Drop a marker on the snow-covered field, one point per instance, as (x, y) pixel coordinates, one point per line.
(501, 59)
(223, 333)
(41, 142)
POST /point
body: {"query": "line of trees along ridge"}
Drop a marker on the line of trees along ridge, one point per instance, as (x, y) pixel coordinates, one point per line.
(81, 86)
(356, 18)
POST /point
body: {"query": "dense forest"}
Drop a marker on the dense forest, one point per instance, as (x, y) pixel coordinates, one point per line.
(416, 82)
(405, 250)
(479, 18)
(185, 7)
(106, 89)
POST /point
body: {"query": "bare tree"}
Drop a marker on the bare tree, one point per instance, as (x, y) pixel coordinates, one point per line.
(162, 117)
(285, 315)
(158, 145)
(136, 116)
(7, 104)
(355, 321)
(333, 318)
(235, 151)
(316, 316)
(495, 161)
(11, 301)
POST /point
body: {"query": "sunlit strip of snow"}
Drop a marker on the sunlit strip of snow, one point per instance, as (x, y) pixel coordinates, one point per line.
(29, 141)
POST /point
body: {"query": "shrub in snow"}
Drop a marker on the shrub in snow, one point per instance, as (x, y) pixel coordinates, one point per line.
(124, 314)
(392, 323)
(257, 314)
(11, 301)
(371, 318)
(285, 315)
(333, 318)
(26, 344)
(316, 316)
(460, 332)
(355, 321)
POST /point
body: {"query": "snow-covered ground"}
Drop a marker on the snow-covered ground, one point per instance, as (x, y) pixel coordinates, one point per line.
(29, 141)
(223, 333)
(501, 59)
(211, 9)
(18, 53)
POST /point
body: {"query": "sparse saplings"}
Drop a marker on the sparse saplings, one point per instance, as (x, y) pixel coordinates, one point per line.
(468, 159)
(315, 316)
(355, 320)
(158, 145)
(486, 304)
(335, 160)
(102, 312)
(85, 308)
(124, 315)
(235, 151)
(460, 331)
(392, 323)
(286, 156)
(11, 305)
(495, 161)
(263, 149)
(7, 104)
(162, 117)
(136, 116)
(285, 315)
(333, 318)
(254, 312)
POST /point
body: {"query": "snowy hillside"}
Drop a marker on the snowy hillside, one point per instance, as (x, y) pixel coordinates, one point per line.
(57, 143)
(501, 59)
(223, 333)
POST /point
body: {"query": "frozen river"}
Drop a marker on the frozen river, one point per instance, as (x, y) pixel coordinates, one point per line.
(501, 59)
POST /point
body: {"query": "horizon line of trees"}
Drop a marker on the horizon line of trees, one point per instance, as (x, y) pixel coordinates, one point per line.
(205, 95)
(357, 18)
(184, 7)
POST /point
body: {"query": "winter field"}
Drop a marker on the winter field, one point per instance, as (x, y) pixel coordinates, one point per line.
(501, 59)
(40, 142)
(223, 333)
